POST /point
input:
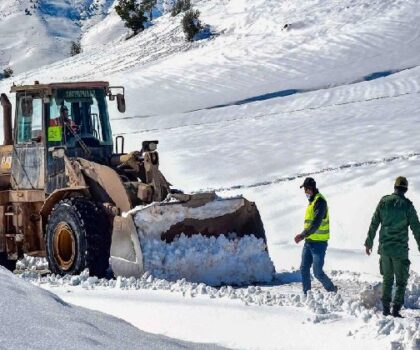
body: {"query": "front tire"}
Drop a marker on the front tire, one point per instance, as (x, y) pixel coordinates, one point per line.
(78, 236)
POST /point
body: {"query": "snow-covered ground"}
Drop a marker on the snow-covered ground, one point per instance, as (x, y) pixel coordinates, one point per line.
(274, 316)
(253, 111)
(33, 318)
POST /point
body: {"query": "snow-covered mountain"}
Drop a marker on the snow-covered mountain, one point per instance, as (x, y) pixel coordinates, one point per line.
(283, 89)
(39, 32)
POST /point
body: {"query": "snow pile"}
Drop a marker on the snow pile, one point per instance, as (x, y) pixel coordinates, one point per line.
(412, 294)
(406, 334)
(32, 263)
(371, 294)
(211, 260)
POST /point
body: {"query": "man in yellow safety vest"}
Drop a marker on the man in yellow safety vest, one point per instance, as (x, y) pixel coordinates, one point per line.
(316, 234)
(64, 118)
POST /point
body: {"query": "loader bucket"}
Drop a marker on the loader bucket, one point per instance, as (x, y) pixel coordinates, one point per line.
(204, 218)
(237, 218)
(126, 256)
(203, 213)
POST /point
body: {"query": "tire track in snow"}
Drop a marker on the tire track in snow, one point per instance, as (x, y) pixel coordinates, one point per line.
(317, 172)
(260, 116)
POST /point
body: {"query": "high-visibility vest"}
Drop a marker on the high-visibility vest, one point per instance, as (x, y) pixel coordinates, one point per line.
(323, 232)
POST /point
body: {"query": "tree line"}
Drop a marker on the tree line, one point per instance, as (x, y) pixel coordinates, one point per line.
(135, 14)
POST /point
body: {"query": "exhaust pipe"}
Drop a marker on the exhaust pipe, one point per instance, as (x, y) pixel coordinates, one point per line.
(7, 120)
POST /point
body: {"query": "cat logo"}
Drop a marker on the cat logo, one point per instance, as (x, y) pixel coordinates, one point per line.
(6, 163)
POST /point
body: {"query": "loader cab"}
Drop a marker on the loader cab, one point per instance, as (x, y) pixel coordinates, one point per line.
(77, 121)
(75, 116)
(72, 117)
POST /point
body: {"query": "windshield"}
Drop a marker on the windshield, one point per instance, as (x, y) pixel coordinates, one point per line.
(79, 114)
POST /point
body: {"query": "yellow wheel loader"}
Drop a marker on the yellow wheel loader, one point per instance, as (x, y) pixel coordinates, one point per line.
(66, 188)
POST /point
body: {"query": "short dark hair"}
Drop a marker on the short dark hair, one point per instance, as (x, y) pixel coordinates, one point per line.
(401, 189)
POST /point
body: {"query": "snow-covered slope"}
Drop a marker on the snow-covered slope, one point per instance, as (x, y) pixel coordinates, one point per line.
(264, 148)
(335, 95)
(326, 44)
(39, 32)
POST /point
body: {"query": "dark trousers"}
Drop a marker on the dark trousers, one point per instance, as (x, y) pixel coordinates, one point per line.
(314, 254)
(390, 267)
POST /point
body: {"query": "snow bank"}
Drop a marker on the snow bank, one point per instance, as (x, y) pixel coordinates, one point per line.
(371, 295)
(211, 260)
(33, 318)
(412, 294)
(325, 307)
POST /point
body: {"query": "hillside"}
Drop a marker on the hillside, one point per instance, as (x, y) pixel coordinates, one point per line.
(244, 126)
(40, 32)
(236, 80)
(257, 107)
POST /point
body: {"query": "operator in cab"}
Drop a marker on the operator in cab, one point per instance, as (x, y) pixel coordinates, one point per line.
(64, 120)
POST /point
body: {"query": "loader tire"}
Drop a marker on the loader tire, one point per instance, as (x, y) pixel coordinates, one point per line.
(78, 236)
(8, 264)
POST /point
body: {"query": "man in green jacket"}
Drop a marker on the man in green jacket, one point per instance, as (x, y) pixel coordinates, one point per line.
(395, 213)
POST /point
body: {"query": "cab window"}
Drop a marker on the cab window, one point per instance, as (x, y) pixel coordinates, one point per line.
(29, 119)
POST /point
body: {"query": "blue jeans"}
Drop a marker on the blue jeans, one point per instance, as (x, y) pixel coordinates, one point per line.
(314, 254)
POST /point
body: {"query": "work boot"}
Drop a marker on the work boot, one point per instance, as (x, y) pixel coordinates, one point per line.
(386, 310)
(334, 289)
(396, 311)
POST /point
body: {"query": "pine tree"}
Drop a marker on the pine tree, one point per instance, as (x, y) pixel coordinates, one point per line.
(191, 24)
(132, 14)
(7, 72)
(148, 6)
(76, 48)
(181, 6)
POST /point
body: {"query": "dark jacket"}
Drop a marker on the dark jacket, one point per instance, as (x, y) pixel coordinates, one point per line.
(395, 213)
(320, 209)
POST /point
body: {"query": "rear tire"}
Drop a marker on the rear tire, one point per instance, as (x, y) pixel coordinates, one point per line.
(78, 236)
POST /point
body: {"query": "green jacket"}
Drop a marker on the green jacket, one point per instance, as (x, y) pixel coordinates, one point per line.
(395, 213)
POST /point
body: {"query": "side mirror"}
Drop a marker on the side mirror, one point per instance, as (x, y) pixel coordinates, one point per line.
(121, 103)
